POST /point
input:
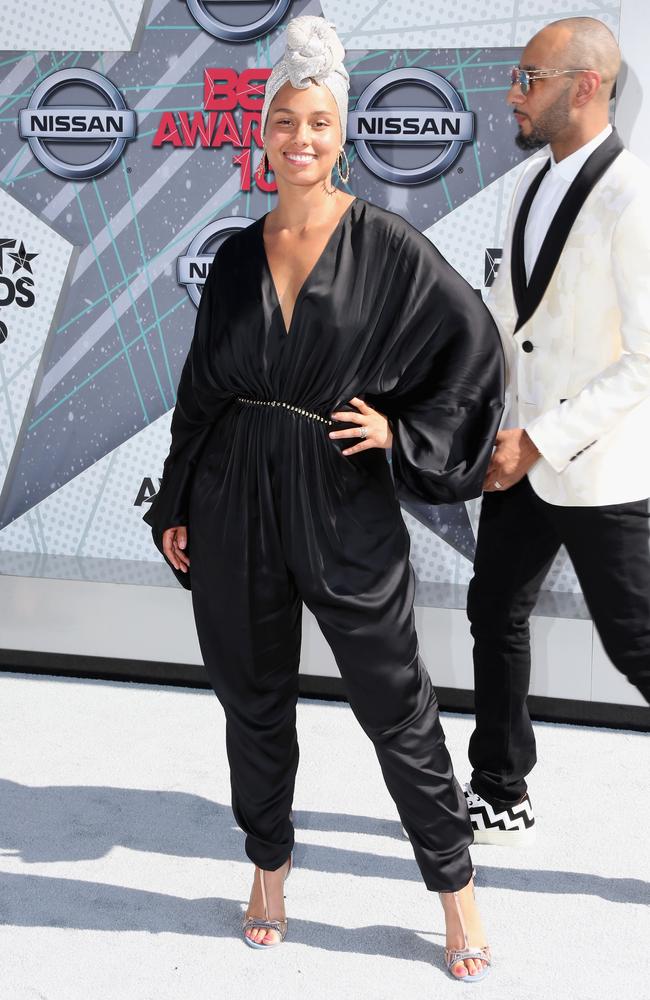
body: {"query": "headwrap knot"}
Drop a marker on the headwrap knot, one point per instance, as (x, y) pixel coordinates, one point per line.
(314, 52)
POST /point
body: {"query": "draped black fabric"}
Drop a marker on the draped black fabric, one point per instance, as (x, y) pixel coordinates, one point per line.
(382, 316)
(278, 517)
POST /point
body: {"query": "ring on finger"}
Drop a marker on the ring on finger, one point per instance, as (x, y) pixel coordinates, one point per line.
(363, 431)
(498, 485)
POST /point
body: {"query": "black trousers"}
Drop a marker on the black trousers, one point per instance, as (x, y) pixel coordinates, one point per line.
(519, 536)
(261, 543)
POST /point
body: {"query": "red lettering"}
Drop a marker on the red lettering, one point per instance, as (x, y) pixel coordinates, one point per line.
(167, 131)
(250, 89)
(250, 128)
(243, 161)
(198, 125)
(224, 90)
(220, 89)
(269, 187)
(226, 131)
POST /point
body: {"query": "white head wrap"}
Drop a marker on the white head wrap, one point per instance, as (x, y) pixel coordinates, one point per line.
(314, 52)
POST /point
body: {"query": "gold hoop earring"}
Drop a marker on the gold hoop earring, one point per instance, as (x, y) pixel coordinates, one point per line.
(263, 167)
(344, 177)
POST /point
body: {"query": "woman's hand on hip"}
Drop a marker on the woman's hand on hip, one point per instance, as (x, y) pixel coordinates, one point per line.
(372, 427)
(174, 542)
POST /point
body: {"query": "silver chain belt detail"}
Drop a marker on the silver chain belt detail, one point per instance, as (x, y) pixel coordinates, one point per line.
(286, 406)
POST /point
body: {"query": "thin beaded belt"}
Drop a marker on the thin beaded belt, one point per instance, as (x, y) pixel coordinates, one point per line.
(287, 406)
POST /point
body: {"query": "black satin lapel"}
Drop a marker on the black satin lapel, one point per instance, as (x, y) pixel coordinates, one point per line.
(558, 232)
(517, 258)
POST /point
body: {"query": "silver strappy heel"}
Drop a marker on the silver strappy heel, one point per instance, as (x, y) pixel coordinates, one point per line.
(275, 925)
(455, 955)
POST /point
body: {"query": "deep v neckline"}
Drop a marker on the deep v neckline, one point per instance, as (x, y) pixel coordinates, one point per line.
(274, 290)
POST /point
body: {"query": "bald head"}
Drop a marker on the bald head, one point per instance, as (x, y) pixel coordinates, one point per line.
(585, 43)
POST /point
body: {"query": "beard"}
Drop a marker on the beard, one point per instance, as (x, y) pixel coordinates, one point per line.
(547, 126)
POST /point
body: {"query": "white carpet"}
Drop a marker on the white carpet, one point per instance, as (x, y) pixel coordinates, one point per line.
(123, 877)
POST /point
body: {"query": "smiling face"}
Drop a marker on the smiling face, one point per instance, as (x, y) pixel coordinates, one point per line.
(303, 135)
(544, 114)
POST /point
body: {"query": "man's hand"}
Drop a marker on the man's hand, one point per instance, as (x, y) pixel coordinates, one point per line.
(513, 456)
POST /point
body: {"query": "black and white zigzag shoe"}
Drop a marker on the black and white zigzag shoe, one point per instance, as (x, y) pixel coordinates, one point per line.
(513, 827)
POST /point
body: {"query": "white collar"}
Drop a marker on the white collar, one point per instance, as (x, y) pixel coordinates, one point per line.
(570, 166)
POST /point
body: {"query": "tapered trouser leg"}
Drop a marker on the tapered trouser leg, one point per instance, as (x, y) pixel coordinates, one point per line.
(610, 551)
(261, 738)
(515, 548)
(248, 618)
(365, 612)
(519, 535)
(393, 699)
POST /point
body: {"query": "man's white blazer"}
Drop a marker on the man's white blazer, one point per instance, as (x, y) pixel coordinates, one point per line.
(579, 360)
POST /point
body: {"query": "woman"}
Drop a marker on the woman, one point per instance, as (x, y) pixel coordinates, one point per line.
(328, 331)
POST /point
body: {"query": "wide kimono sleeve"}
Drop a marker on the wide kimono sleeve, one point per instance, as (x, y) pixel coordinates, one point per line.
(198, 405)
(448, 398)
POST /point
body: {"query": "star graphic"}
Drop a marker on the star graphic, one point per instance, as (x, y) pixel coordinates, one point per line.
(4, 243)
(22, 259)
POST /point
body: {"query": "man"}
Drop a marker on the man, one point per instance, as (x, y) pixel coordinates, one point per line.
(572, 464)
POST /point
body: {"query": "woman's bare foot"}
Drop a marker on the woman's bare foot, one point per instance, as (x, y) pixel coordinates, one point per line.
(473, 927)
(274, 885)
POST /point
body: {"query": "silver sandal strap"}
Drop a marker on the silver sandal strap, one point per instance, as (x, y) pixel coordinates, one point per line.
(454, 955)
(275, 925)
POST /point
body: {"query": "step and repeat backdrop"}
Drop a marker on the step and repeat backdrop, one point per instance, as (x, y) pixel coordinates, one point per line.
(129, 137)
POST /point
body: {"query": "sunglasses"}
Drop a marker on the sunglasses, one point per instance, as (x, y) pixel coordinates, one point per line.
(526, 77)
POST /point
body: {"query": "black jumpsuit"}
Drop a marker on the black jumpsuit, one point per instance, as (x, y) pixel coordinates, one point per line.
(277, 516)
